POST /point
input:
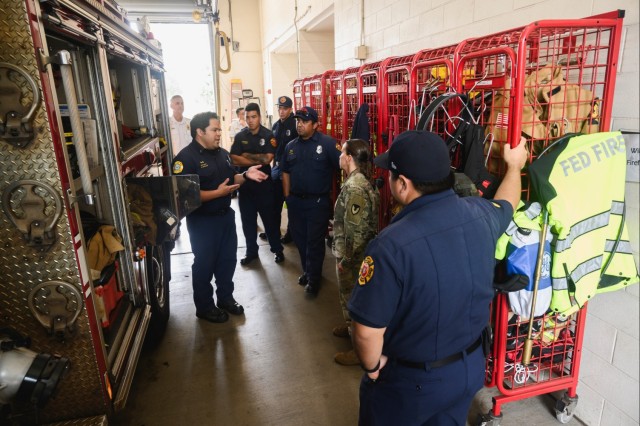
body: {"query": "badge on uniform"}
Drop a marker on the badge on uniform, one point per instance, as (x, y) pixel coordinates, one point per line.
(288, 133)
(261, 142)
(274, 142)
(319, 149)
(366, 270)
(203, 165)
(178, 167)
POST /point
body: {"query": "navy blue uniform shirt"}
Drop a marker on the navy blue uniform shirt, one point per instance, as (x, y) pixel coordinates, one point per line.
(284, 132)
(428, 276)
(213, 166)
(310, 164)
(262, 142)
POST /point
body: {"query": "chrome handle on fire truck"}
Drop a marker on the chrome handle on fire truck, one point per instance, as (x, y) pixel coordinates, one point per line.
(27, 204)
(63, 59)
(16, 126)
(56, 305)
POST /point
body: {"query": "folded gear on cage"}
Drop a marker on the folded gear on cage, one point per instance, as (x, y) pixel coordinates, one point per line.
(592, 253)
(519, 247)
(469, 137)
(552, 107)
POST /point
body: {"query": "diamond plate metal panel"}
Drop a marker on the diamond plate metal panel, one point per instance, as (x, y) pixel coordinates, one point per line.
(22, 267)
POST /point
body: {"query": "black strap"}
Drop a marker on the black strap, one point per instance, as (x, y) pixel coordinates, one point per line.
(441, 362)
(309, 195)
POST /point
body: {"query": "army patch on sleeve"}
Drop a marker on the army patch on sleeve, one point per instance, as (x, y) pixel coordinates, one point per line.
(366, 270)
(178, 167)
(355, 210)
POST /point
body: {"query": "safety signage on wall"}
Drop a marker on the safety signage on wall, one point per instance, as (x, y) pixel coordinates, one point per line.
(632, 141)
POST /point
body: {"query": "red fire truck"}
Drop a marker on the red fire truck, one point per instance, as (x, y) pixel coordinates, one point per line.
(88, 209)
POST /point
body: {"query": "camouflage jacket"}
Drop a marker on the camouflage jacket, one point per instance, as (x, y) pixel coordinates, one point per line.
(355, 218)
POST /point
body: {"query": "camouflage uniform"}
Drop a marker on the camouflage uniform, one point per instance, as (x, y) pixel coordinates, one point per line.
(355, 224)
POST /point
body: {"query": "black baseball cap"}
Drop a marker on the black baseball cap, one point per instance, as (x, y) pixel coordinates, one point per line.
(306, 113)
(285, 101)
(419, 155)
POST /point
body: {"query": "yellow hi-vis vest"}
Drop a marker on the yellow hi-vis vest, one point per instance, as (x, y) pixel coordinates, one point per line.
(582, 185)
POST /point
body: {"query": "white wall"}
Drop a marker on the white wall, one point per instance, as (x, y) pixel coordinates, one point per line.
(246, 63)
(609, 378)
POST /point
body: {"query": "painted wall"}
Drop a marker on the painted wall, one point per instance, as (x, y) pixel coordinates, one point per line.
(246, 62)
(609, 379)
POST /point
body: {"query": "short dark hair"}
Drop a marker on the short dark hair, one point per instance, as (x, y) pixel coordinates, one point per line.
(239, 109)
(426, 188)
(252, 107)
(201, 121)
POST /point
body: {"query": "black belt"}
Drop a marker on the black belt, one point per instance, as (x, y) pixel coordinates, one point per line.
(220, 212)
(308, 195)
(441, 362)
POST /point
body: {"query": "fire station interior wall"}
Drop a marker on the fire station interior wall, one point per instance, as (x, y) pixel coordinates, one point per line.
(609, 377)
(283, 67)
(246, 61)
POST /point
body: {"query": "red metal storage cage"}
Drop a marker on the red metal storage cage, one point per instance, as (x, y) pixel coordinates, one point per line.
(351, 100)
(306, 90)
(336, 107)
(541, 81)
(431, 76)
(298, 99)
(369, 76)
(393, 116)
(317, 96)
(396, 115)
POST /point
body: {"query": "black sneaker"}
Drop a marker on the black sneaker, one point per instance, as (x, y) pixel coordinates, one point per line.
(214, 315)
(312, 289)
(278, 257)
(248, 259)
(303, 280)
(232, 307)
(263, 236)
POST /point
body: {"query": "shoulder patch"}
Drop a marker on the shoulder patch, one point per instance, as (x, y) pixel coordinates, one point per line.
(274, 142)
(355, 211)
(178, 167)
(366, 270)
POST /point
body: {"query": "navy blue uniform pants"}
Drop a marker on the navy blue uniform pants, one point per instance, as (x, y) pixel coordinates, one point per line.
(278, 197)
(308, 221)
(214, 244)
(411, 397)
(259, 201)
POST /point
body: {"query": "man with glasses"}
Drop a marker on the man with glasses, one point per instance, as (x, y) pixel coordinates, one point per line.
(212, 228)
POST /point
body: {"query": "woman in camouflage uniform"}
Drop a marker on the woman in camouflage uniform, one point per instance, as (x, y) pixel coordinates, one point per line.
(355, 224)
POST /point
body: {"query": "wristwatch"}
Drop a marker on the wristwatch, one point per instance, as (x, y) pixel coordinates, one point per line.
(373, 370)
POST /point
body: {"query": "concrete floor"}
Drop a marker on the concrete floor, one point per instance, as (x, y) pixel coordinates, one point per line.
(273, 366)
